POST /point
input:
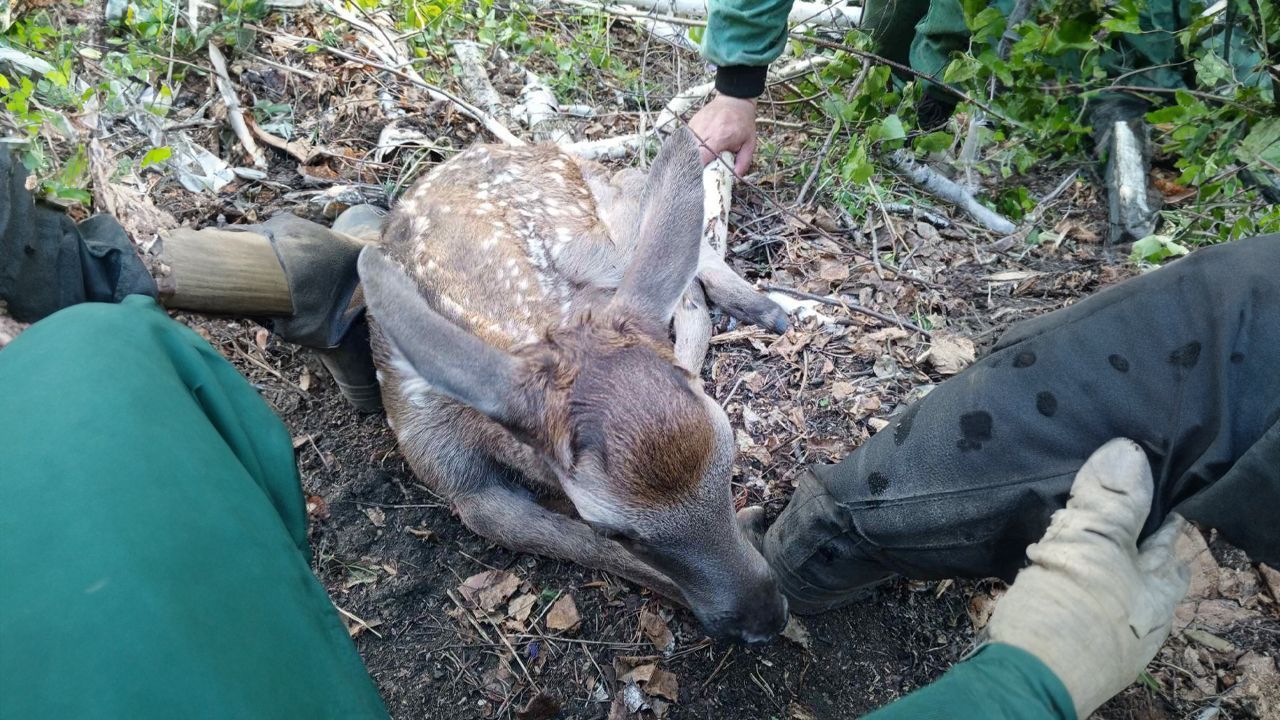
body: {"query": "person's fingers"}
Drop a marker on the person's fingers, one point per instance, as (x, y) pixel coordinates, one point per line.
(743, 162)
(1159, 549)
(705, 153)
(1112, 492)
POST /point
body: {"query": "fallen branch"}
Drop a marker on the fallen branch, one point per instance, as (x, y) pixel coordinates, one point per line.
(542, 112)
(235, 114)
(393, 59)
(836, 15)
(475, 79)
(669, 116)
(844, 301)
(916, 213)
(932, 182)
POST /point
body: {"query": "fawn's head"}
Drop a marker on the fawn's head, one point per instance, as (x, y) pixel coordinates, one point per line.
(644, 455)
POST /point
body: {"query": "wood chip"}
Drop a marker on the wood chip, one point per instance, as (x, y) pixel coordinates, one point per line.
(563, 615)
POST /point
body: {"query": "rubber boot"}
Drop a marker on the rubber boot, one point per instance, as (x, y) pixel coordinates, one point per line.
(295, 276)
(49, 262)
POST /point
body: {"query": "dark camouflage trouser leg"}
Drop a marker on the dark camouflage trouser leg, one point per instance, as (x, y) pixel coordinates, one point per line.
(1182, 360)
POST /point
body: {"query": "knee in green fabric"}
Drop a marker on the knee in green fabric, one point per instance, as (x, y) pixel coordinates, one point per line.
(819, 559)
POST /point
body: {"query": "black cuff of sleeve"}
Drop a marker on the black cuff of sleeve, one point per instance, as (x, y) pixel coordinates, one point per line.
(741, 81)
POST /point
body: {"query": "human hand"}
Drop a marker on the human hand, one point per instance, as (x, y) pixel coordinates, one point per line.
(727, 124)
(1093, 606)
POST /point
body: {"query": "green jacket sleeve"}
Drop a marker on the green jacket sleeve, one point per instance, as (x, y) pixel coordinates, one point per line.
(743, 37)
(1000, 682)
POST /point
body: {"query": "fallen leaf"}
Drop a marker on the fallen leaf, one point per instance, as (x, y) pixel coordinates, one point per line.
(563, 614)
(1272, 579)
(376, 516)
(841, 390)
(518, 611)
(355, 627)
(1259, 684)
(981, 605)
(639, 673)
(655, 628)
(488, 589)
(261, 337)
(300, 440)
(885, 367)
(949, 354)
(663, 684)
(317, 508)
(497, 682)
(540, 707)
(863, 406)
(1192, 549)
(833, 271)
(796, 633)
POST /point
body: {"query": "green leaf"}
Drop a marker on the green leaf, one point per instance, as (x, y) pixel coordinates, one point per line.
(892, 128)
(856, 167)
(156, 155)
(960, 70)
(1154, 248)
(1263, 141)
(934, 142)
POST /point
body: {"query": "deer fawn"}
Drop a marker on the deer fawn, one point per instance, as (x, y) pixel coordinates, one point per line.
(520, 301)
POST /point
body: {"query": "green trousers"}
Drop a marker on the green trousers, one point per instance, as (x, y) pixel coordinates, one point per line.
(153, 554)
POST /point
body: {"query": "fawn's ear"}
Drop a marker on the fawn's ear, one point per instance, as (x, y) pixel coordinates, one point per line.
(452, 361)
(669, 236)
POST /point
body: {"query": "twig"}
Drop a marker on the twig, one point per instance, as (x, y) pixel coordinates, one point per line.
(917, 213)
(817, 165)
(845, 302)
(301, 151)
(1034, 216)
(943, 188)
(490, 123)
(235, 114)
(503, 638)
(355, 619)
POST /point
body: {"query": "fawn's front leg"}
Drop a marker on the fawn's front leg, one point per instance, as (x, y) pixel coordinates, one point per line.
(512, 519)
